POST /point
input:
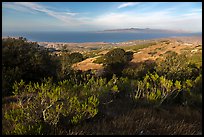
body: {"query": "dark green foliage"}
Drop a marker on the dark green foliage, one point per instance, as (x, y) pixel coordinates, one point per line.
(66, 61)
(115, 56)
(74, 57)
(196, 58)
(193, 96)
(24, 60)
(115, 60)
(71, 99)
(140, 70)
(49, 103)
(165, 41)
(99, 60)
(129, 55)
(177, 67)
(64, 49)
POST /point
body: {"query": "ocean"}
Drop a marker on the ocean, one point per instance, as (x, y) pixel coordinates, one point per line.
(80, 37)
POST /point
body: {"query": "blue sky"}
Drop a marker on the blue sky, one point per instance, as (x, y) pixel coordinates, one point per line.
(94, 16)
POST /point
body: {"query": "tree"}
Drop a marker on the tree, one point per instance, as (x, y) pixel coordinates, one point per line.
(115, 56)
(116, 59)
(129, 55)
(75, 57)
(66, 61)
(24, 60)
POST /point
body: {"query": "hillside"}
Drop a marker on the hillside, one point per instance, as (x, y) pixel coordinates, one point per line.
(145, 30)
(160, 47)
(131, 88)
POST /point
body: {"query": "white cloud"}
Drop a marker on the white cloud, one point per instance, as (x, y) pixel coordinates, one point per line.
(127, 4)
(71, 13)
(66, 17)
(191, 21)
(156, 20)
(17, 8)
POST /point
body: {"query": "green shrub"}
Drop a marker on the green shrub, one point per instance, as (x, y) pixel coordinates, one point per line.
(140, 71)
(156, 89)
(177, 67)
(24, 124)
(115, 56)
(45, 105)
(46, 102)
(24, 60)
(99, 60)
(75, 57)
(115, 60)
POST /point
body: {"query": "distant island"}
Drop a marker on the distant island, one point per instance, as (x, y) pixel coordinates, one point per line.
(145, 30)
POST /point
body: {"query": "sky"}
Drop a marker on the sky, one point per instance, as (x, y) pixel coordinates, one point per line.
(96, 16)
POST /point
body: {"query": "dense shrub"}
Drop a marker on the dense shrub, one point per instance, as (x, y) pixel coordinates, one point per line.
(177, 67)
(51, 103)
(66, 61)
(74, 57)
(129, 55)
(140, 70)
(44, 105)
(24, 60)
(158, 89)
(115, 56)
(99, 60)
(115, 60)
(47, 102)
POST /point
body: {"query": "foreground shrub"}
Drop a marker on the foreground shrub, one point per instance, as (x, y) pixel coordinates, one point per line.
(46, 103)
(177, 67)
(157, 89)
(43, 107)
(24, 60)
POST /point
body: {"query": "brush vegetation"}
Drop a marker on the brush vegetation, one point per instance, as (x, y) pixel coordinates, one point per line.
(43, 95)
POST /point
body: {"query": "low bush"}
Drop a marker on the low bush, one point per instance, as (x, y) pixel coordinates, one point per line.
(177, 67)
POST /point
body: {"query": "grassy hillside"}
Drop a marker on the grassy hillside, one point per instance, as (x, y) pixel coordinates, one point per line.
(149, 89)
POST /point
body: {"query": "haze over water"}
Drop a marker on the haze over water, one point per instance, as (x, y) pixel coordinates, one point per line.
(78, 37)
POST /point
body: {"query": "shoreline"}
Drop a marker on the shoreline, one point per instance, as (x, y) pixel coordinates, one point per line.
(91, 46)
(101, 42)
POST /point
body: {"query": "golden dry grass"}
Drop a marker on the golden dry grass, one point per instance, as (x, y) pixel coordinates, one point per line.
(160, 48)
(87, 65)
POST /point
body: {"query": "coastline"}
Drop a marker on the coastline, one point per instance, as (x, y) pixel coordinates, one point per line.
(88, 46)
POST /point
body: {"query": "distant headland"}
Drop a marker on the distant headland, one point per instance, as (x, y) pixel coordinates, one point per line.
(145, 30)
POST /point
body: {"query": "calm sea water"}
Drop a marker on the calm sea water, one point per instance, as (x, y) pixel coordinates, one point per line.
(79, 37)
